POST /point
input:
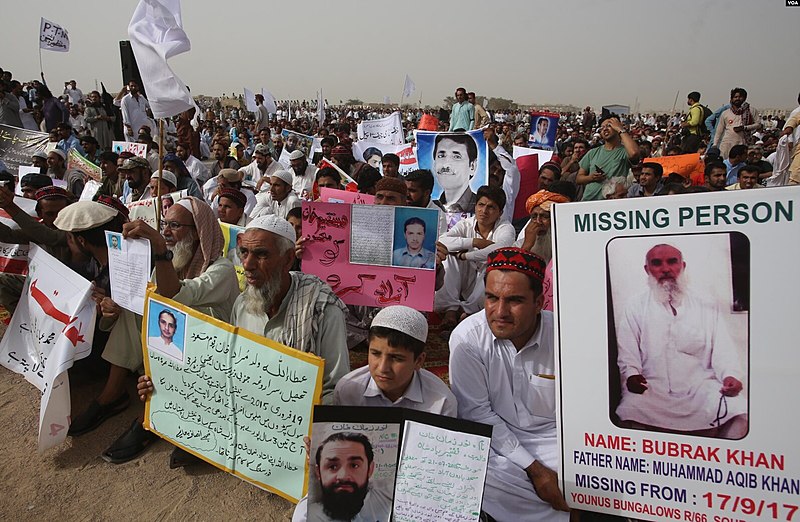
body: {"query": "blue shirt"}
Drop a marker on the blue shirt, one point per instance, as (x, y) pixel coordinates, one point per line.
(733, 171)
(462, 116)
(70, 143)
(711, 121)
(422, 259)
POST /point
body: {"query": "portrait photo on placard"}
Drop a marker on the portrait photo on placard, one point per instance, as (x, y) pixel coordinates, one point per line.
(415, 237)
(295, 141)
(352, 471)
(459, 162)
(678, 333)
(544, 127)
(166, 330)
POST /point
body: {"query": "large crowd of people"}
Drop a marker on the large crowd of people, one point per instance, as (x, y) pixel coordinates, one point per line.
(493, 275)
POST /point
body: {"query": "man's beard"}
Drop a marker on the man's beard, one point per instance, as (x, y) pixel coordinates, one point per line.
(183, 252)
(668, 291)
(543, 246)
(341, 505)
(259, 300)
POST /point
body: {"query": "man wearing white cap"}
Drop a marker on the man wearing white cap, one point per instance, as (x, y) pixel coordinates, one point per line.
(394, 375)
(168, 184)
(293, 308)
(302, 174)
(280, 199)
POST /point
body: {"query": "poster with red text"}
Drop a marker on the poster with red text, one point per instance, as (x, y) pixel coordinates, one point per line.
(677, 356)
(372, 255)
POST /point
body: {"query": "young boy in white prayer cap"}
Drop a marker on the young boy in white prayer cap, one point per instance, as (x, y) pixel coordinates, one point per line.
(394, 376)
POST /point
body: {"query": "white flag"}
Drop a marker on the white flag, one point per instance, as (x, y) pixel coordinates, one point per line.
(387, 100)
(320, 109)
(52, 327)
(53, 37)
(250, 100)
(269, 101)
(156, 33)
(409, 87)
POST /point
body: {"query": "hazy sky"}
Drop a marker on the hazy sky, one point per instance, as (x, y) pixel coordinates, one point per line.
(581, 52)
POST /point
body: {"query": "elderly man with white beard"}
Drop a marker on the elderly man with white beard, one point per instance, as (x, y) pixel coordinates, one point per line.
(679, 367)
(536, 236)
(296, 309)
(190, 269)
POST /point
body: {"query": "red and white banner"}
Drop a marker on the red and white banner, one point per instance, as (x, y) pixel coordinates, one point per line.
(52, 327)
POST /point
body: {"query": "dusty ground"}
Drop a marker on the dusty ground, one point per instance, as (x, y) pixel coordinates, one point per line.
(72, 482)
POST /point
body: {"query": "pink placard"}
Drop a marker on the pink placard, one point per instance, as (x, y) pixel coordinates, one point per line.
(329, 195)
(327, 255)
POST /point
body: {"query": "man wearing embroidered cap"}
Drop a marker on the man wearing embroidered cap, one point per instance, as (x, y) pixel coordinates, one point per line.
(137, 174)
(293, 308)
(502, 371)
(230, 207)
(49, 202)
(30, 183)
(280, 198)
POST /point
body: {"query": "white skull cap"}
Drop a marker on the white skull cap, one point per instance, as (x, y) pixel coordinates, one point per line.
(403, 319)
(274, 224)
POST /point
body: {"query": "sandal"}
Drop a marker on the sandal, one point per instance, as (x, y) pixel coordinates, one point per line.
(129, 445)
(181, 458)
(96, 414)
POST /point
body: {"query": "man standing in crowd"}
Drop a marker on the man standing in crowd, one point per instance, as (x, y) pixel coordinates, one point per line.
(134, 109)
(736, 123)
(481, 117)
(462, 117)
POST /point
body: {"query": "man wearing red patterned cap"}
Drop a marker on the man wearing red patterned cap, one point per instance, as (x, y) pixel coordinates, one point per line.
(25, 228)
(502, 372)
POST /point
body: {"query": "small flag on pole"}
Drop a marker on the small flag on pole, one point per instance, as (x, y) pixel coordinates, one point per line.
(53, 37)
(409, 87)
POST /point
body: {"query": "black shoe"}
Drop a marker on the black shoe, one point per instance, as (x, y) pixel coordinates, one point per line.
(129, 445)
(95, 414)
(182, 458)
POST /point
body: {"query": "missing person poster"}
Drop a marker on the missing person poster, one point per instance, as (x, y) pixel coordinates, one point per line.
(373, 255)
(237, 400)
(401, 465)
(693, 328)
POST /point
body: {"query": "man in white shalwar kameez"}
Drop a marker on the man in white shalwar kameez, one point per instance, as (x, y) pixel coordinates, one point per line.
(679, 367)
(502, 372)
